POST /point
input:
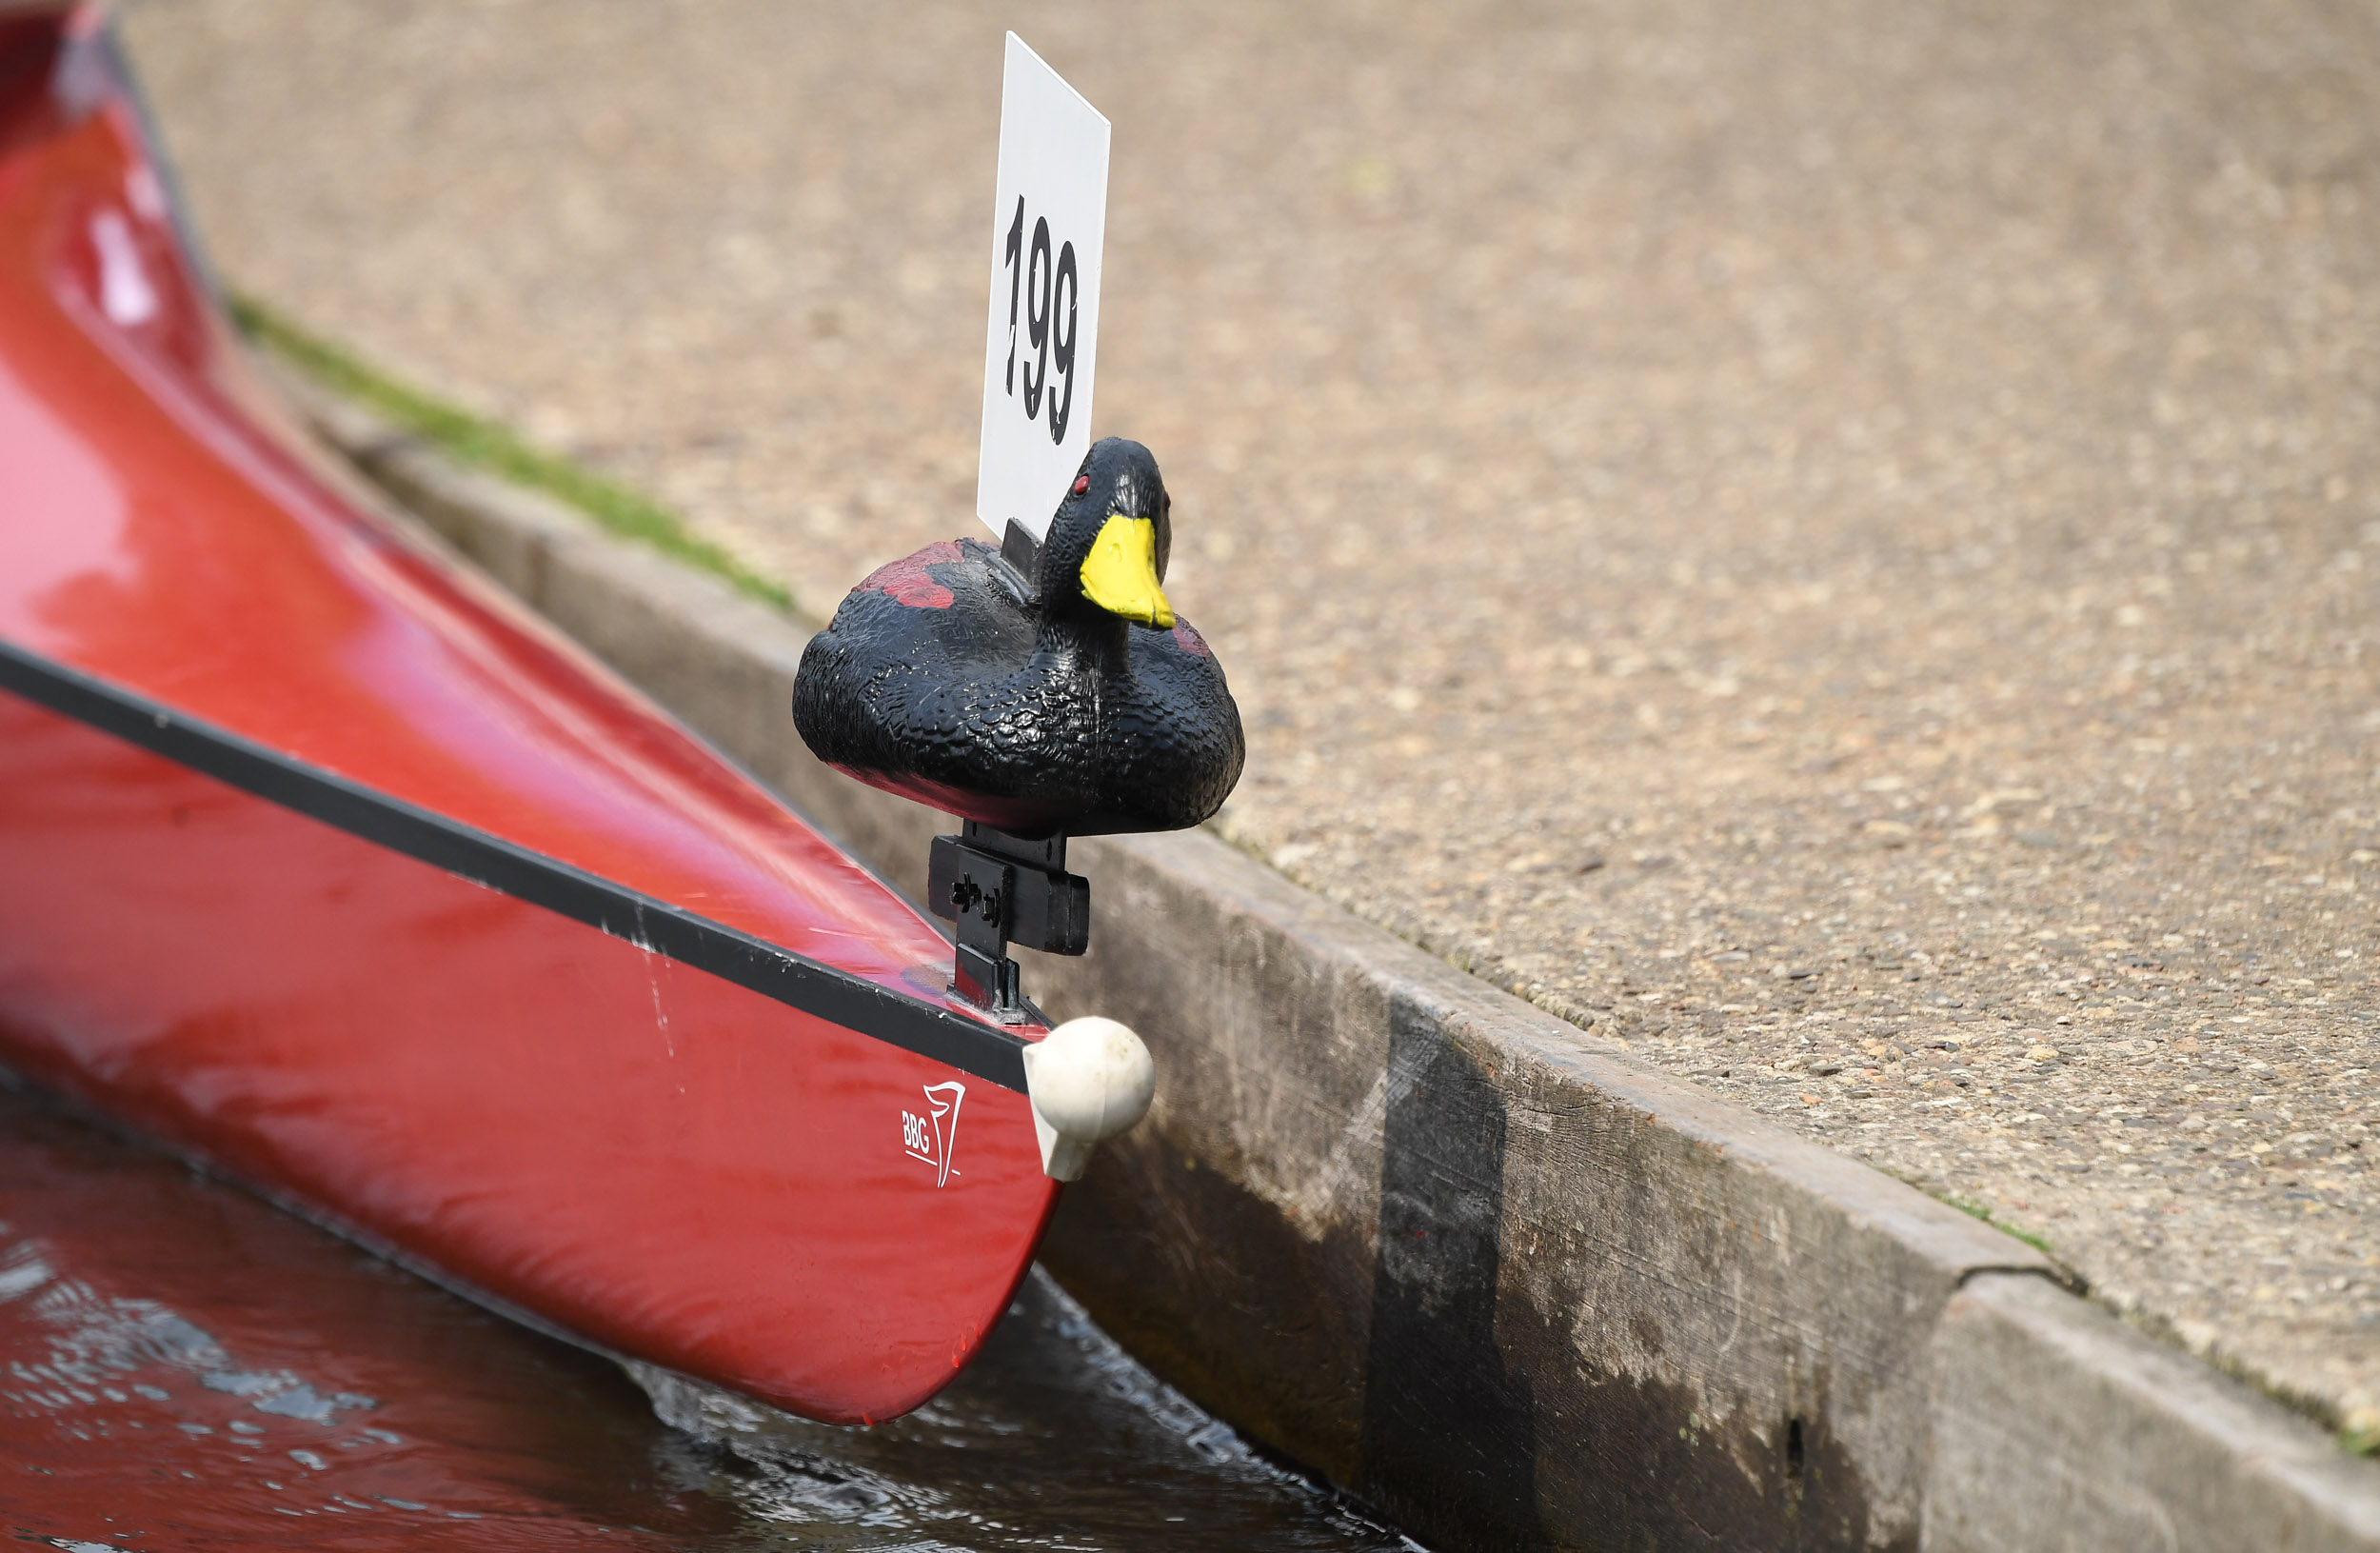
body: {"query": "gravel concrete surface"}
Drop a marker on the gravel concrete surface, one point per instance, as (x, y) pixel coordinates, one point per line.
(1836, 545)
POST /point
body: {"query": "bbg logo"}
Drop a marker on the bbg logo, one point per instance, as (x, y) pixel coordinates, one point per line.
(929, 1139)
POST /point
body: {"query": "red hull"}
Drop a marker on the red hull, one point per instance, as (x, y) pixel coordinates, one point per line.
(407, 911)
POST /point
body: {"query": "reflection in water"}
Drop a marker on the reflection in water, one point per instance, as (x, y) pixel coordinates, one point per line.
(1055, 1438)
(182, 1366)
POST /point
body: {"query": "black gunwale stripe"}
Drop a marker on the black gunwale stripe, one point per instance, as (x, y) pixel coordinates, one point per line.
(756, 964)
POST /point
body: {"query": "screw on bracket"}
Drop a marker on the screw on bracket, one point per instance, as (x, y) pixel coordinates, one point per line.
(996, 889)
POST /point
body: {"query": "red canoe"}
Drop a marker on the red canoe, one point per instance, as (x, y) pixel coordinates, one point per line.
(329, 865)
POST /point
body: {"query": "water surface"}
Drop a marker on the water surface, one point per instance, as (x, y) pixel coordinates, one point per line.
(182, 1366)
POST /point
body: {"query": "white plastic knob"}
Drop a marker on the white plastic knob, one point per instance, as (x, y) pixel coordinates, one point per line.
(1089, 1080)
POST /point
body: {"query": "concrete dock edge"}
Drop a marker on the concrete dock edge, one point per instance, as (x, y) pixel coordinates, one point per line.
(1471, 1264)
(2057, 1427)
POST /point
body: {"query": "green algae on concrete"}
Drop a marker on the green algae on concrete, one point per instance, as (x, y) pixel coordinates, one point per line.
(1974, 1209)
(491, 446)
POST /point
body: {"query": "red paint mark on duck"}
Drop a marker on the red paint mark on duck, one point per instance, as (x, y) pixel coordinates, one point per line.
(1187, 638)
(911, 578)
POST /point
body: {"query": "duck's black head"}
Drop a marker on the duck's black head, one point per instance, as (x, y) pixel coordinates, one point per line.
(1108, 544)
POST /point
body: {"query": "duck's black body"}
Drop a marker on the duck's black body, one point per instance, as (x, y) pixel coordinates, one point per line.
(988, 684)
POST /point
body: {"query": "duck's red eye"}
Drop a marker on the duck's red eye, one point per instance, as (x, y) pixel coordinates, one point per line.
(1082, 483)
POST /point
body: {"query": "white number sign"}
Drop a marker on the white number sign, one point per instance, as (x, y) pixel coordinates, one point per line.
(1049, 220)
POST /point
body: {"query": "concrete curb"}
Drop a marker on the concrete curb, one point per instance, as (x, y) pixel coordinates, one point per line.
(1467, 1260)
(2057, 1427)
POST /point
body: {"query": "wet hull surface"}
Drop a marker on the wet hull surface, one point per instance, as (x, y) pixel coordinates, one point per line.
(185, 1366)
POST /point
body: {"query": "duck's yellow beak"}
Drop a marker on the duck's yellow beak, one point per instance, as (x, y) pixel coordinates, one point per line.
(1120, 575)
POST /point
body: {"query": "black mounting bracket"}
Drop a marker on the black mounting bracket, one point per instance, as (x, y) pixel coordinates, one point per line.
(1001, 889)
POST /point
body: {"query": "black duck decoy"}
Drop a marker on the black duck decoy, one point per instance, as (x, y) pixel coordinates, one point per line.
(1043, 689)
